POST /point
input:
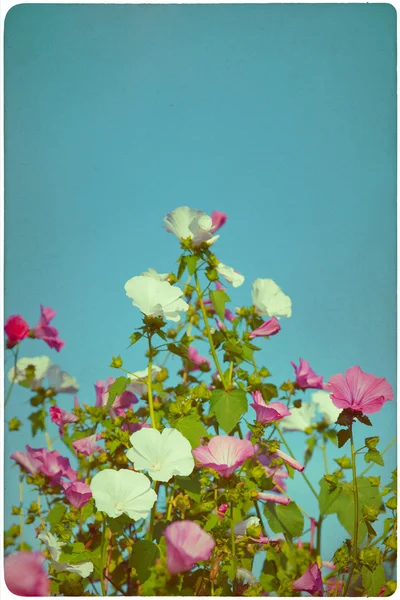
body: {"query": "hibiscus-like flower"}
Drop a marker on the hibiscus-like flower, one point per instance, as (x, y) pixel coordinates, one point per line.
(54, 547)
(31, 371)
(162, 455)
(305, 376)
(78, 493)
(51, 464)
(185, 222)
(156, 298)
(16, 330)
(155, 275)
(87, 445)
(61, 417)
(233, 277)
(140, 378)
(187, 544)
(266, 413)
(310, 582)
(197, 360)
(120, 404)
(34, 580)
(359, 391)
(269, 300)
(300, 418)
(224, 454)
(124, 491)
(46, 332)
(270, 327)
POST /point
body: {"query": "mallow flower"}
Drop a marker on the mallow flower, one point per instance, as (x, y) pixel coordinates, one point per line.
(242, 527)
(78, 493)
(24, 574)
(16, 330)
(270, 327)
(87, 445)
(187, 544)
(123, 492)
(325, 406)
(51, 464)
(218, 219)
(185, 222)
(233, 277)
(54, 547)
(46, 332)
(224, 454)
(162, 454)
(269, 300)
(197, 359)
(266, 413)
(139, 380)
(32, 371)
(120, 404)
(156, 298)
(305, 376)
(155, 275)
(359, 391)
(300, 419)
(310, 582)
(61, 417)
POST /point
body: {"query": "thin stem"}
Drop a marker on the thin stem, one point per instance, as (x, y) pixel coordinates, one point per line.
(208, 330)
(308, 482)
(153, 514)
(232, 532)
(14, 377)
(319, 534)
(382, 453)
(48, 441)
(324, 454)
(21, 516)
(355, 490)
(170, 505)
(150, 387)
(230, 373)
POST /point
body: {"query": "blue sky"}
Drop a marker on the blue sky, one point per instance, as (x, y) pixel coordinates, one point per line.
(282, 116)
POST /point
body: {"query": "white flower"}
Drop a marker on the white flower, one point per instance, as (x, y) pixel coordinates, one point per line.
(154, 297)
(163, 455)
(139, 380)
(124, 491)
(62, 382)
(325, 406)
(153, 273)
(185, 222)
(269, 299)
(54, 547)
(245, 575)
(232, 276)
(242, 527)
(300, 419)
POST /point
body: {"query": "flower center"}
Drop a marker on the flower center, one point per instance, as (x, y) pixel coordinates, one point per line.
(118, 507)
(157, 467)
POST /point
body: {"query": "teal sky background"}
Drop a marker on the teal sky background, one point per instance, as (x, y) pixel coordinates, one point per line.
(282, 116)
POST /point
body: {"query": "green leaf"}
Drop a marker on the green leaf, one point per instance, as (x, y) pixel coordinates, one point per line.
(181, 267)
(14, 424)
(211, 523)
(343, 435)
(286, 519)
(374, 580)
(116, 389)
(191, 262)
(374, 456)
(219, 298)
(191, 485)
(55, 515)
(75, 557)
(135, 337)
(143, 556)
(371, 442)
(192, 429)
(326, 498)
(37, 420)
(228, 407)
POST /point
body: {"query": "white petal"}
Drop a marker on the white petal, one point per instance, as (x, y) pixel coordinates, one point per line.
(61, 381)
(269, 300)
(53, 546)
(232, 276)
(41, 364)
(154, 297)
(153, 273)
(325, 406)
(300, 419)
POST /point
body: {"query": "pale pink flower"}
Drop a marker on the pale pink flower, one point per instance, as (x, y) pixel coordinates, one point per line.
(270, 327)
(27, 460)
(219, 286)
(224, 454)
(268, 497)
(46, 332)
(24, 574)
(77, 493)
(51, 464)
(218, 219)
(310, 582)
(359, 391)
(197, 359)
(16, 329)
(268, 413)
(292, 462)
(87, 445)
(220, 325)
(187, 544)
(61, 417)
(305, 376)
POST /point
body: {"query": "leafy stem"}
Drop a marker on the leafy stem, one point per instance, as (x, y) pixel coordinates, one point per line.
(355, 490)
(14, 377)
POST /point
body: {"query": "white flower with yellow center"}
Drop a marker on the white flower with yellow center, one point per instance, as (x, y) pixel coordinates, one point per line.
(185, 222)
(156, 298)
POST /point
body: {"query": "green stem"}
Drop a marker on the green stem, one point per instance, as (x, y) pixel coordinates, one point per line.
(232, 532)
(21, 516)
(14, 377)
(208, 330)
(169, 510)
(153, 513)
(355, 490)
(150, 386)
(319, 533)
(325, 458)
(308, 482)
(102, 566)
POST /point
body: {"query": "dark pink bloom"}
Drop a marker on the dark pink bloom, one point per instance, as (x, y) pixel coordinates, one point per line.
(224, 454)
(220, 324)
(359, 391)
(270, 327)
(268, 413)
(221, 510)
(197, 359)
(218, 219)
(268, 497)
(27, 461)
(46, 332)
(61, 417)
(87, 445)
(229, 315)
(51, 464)
(16, 329)
(76, 402)
(77, 493)
(133, 427)
(310, 582)
(305, 376)
(187, 544)
(24, 574)
(120, 404)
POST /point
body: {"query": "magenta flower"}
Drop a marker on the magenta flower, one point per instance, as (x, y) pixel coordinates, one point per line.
(310, 582)
(268, 497)
(218, 219)
(16, 330)
(120, 404)
(197, 359)
(27, 461)
(133, 427)
(359, 391)
(24, 574)
(305, 376)
(77, 493)
(270, 327)
(87, 445)
(221, 510)
(187, 544)
(51, 464)
(268, 413)
(61, 417)
(46, 332)
(224, 454)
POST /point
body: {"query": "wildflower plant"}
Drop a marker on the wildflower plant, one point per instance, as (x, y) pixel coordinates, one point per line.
(174, 478)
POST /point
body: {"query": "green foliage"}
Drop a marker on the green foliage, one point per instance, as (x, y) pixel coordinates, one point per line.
(14, 424)
(143, 557)
(219, 298)
(374, 456)
(55, 515)
(37, 420)
(374, 580)
(285, 519)
(192, 428)
(116, 389)
(228, 407)
(343, 436)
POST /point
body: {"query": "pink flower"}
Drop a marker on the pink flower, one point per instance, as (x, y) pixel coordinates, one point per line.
(310, 582)
(61, 417)
(219, 286)
(268, 413)
(292, 462)
(278, 477)
(270, 327)
(220, 324)
(224, 454)
(305, 376)
(133, 427)
(51, 464)
(27, 461)
(359, 391)
(221, 510)
(187, 543)
(120, 404)
(24, 574)
(87, 445)
(197, 359)
(16, 329)
(77, 493)
(268, 497)
(46, 332)
(218, 219)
